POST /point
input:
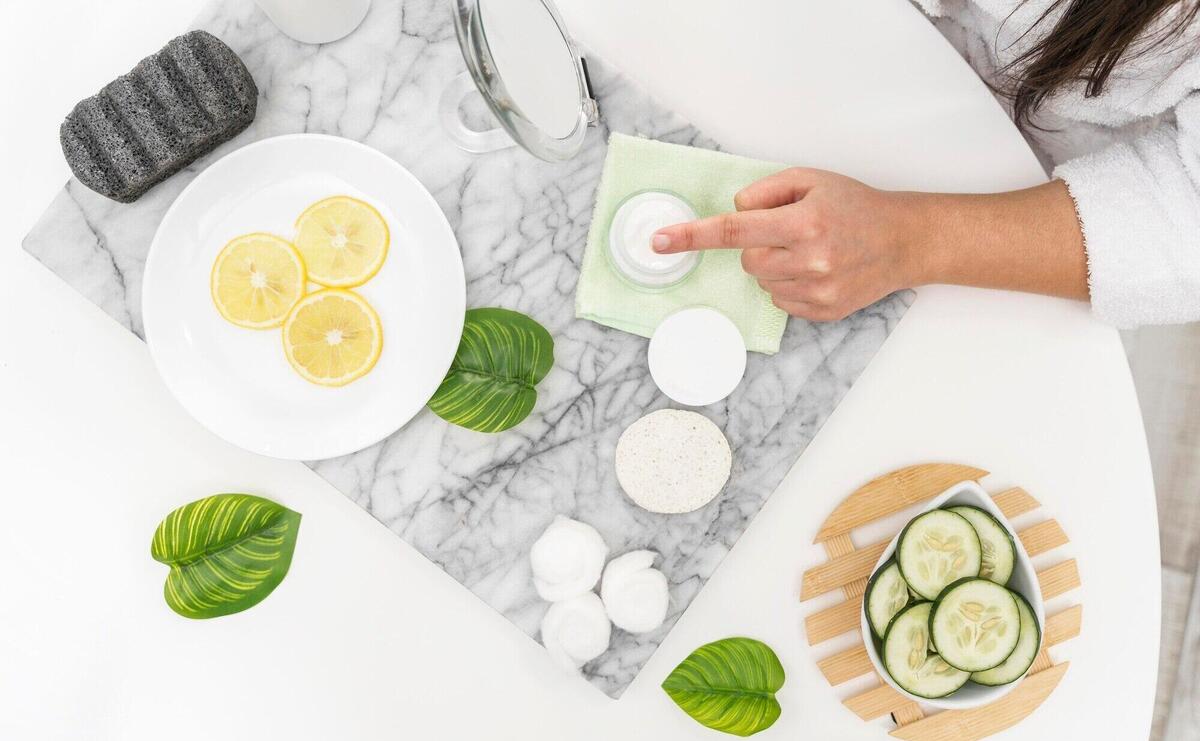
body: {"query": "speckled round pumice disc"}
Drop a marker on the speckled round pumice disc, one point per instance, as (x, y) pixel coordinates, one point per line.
(672, 461)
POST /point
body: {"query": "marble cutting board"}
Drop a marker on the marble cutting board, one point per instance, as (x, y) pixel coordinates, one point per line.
(474, 503)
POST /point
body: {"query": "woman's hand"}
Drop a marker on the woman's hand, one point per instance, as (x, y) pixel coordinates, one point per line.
(825, 245)
(822, 244)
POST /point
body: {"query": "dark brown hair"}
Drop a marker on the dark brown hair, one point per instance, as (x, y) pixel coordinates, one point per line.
(1086, 44)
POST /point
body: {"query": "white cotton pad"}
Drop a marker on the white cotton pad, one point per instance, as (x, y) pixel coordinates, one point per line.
(576, 630)
(635, 594)
(672, 461)
(567, 559)
(697, 356)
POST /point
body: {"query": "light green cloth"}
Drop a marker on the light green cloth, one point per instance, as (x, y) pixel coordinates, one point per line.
(708, 180)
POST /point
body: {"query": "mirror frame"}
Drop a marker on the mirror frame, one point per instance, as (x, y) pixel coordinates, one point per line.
(481, 65)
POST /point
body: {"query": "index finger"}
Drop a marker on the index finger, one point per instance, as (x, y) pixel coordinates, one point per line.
(734, 230)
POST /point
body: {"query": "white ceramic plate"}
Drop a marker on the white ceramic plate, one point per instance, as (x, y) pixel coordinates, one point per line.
(1024, 580)
(236, 381)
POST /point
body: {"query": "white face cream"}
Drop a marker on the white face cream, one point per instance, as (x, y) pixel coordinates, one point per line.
(629, 236)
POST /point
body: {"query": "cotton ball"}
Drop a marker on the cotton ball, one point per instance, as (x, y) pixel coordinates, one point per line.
(576, 630)
(567, 559)
(634, 594)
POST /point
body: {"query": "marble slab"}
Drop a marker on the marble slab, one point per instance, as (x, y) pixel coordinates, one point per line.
(474, 503)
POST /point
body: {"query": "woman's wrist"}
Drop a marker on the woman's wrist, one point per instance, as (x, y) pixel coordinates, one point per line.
(1026, 240)
(922, 257)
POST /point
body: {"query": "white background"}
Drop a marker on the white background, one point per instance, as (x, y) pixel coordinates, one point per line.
(365, 639)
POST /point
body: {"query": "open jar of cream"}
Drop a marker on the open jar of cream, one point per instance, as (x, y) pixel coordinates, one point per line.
(629, 233)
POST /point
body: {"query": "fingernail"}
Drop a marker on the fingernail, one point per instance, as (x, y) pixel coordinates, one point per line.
(660, 242)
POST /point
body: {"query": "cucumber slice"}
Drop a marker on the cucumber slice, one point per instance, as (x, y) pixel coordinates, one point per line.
(909, 660)
(975, 624)
(1019, 661)
(935, 549)
(999, 552)
(887, 594)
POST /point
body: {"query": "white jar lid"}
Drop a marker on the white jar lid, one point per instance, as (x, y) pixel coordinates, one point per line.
(629, 233)
(697, 356)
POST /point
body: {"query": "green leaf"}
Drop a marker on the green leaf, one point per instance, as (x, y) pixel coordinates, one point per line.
(500, 360)
(227, 552)
(729, 685)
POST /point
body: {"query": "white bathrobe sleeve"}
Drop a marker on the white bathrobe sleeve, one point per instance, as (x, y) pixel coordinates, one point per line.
(1139, 206)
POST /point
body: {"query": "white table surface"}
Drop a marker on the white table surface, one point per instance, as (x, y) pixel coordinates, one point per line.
(365, 639)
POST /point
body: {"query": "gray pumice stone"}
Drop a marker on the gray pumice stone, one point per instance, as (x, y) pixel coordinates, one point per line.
(176, 105)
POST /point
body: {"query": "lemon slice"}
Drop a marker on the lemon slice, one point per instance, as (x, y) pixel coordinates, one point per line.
(256, 280)
(332, 337)
(343, 241)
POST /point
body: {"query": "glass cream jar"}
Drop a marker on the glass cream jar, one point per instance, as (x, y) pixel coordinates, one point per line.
(629, 233)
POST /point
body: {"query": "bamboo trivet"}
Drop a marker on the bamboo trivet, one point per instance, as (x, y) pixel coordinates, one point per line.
(848, 569)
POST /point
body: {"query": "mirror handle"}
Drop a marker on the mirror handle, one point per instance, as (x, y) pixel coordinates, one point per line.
(468, 139)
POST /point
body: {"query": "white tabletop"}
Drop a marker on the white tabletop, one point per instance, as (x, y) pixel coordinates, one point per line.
(365, 639)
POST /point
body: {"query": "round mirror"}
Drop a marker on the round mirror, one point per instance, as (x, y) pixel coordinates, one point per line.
(525, 65)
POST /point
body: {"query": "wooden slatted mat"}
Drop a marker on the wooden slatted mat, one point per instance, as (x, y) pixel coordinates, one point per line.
(849, 567)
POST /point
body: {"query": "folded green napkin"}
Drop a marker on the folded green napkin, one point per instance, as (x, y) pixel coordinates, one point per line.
(708, 180)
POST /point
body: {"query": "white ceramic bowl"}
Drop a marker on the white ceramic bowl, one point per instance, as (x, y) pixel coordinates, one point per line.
(1023, 580)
